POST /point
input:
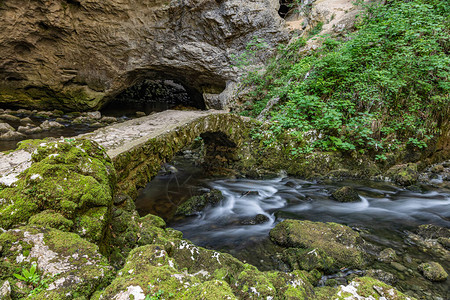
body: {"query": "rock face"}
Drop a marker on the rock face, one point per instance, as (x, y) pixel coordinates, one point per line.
(77, 54)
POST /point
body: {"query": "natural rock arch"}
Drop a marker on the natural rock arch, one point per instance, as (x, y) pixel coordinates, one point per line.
(76, 55)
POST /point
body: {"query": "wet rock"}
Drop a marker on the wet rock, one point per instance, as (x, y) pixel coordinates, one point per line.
(339, 245)
(81, 120)
(381, 275)
(95, 115)
(26, 121)
(140, 114)
(108, 120)
(195, 204)
(69, 263)
(97, 125)
(11, 135)
(430, 231)
(47, 125)
(44, 114)
(250, 193)
(433, 271)
(5, 127)
(361, 288)
(399, 267)
(60, 120)
(23, 129)
(25, 112)
(387, 255)
(258, 219)
(432, 239)
(403, 175)
(346, 194)
(9, 118)
(33, 130)
(437, 169)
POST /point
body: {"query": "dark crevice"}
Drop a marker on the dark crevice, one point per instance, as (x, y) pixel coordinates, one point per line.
(285, 7)
(155, 96)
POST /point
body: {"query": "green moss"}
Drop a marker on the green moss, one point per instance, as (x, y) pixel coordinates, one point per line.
(336, 245)
(49, 218)
(68, 177)
(367, 287)
(214, 289)
(92, 224)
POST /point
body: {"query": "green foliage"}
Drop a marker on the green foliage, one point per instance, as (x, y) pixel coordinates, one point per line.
(160, 294)
(34, 279)
(29, 276)
(385, 86)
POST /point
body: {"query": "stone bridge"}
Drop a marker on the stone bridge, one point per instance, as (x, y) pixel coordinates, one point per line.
(140, 146)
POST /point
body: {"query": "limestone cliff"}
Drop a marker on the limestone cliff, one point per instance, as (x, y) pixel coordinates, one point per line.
(77, 54)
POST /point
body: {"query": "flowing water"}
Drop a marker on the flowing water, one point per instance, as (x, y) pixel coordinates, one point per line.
(384, 215)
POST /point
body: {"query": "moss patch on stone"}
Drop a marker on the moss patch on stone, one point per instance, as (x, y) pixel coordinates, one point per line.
(72, 265)
(50, 218)
(73, 178)
(337, 245)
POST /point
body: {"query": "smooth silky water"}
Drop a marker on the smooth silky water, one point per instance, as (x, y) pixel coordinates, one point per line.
(383, 216)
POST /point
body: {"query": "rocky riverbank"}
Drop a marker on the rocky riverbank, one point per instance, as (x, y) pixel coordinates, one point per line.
(63, 216)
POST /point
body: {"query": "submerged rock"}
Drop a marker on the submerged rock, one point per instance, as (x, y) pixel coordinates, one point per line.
(433, 271)
(387, 255)
(330, 245)
(345, 194)
(196, 204)
(258, 219)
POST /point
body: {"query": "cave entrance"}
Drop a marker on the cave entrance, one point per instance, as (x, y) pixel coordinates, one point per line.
(286, 6)
(150, 95)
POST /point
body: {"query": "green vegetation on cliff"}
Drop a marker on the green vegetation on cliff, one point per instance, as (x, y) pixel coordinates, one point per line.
(382, 88)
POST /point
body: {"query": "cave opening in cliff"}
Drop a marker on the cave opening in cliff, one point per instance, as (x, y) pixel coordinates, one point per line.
(286, 7)
(150, 95)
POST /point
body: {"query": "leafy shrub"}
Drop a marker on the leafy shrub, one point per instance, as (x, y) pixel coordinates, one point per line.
(385, 86)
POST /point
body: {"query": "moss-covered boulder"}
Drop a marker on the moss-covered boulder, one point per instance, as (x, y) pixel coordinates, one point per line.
(433, 271)
(403, 175)
(196, 204)
(329, 246)
(67, 265)
(128, 230)
(73, 178)
(345, 194)
(178, 269)
(361, 288)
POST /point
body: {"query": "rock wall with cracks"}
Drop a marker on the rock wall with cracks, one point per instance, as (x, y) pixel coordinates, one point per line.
(78, 54)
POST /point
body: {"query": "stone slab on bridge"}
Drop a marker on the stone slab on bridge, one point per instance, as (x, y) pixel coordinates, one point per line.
(122, 137)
